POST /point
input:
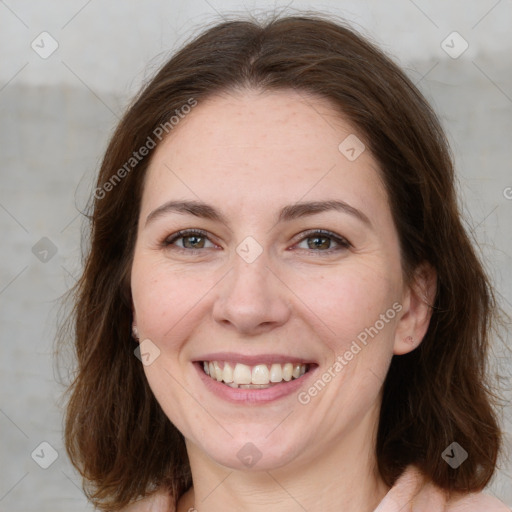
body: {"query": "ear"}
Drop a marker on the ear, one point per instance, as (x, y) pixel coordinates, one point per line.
(417, 303)
(135, 331)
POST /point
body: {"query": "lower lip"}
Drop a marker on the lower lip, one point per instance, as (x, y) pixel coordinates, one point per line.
(265, 395)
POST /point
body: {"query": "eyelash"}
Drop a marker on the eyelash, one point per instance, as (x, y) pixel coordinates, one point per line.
(342, 242)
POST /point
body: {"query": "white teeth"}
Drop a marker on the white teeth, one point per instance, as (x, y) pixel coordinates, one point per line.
(218, 371)
(287, 371)
(253, 386)
(227, 373)
(242, 374)
(276, 373)
(258, 376)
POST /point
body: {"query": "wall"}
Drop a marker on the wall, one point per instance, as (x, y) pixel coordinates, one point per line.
(57, 112)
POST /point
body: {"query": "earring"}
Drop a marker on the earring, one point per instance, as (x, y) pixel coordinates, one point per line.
(135, 332)
(409, 339)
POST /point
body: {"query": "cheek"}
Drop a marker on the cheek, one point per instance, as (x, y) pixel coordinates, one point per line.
(346, 301)
(361, 309)
(166, 300)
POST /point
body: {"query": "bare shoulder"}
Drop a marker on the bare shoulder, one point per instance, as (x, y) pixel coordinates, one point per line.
(477, 502)
(159, 501)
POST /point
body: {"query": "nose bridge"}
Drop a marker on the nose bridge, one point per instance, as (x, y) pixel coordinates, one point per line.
(249, 280)
(251, 296)
(250, 274)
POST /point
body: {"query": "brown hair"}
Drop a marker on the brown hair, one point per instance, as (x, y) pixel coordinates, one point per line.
(116, 433)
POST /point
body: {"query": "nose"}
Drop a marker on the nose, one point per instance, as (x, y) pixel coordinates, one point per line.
(251, 299)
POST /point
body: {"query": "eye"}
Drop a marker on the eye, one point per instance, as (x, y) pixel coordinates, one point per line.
(319, 241)
(322, 241)
(189, 240)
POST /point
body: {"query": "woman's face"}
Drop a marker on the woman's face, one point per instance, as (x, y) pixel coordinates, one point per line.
(290, 262)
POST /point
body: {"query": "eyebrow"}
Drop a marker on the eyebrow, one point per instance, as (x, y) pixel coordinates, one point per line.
(287, 213)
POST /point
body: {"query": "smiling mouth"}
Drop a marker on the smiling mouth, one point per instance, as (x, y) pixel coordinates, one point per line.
(260, 376)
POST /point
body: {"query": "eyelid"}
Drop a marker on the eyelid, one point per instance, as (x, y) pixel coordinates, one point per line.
(340, 240)
(170, 239)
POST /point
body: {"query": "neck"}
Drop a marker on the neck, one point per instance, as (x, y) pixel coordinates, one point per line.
(340, 477)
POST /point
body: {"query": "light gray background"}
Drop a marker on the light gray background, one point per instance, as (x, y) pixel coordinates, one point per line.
(57, 114)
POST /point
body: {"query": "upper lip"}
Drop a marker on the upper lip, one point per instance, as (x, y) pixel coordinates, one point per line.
(252, 360)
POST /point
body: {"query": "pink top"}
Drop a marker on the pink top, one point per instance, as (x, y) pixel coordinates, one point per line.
(409, 494)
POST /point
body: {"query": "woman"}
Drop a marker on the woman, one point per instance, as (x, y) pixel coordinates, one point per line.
(275, 236)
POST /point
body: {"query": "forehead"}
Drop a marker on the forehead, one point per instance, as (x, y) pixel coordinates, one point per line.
(250, 149)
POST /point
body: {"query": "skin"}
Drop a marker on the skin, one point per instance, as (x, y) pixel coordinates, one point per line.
(248, 154)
